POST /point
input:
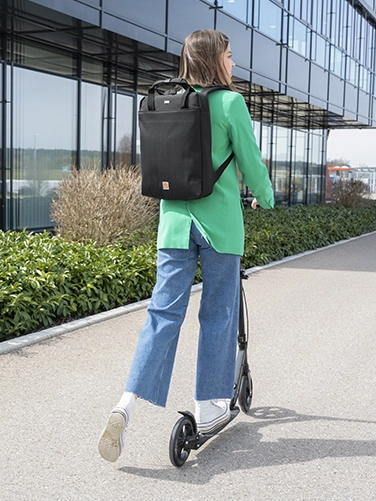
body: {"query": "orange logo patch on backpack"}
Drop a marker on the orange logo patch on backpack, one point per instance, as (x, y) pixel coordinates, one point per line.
(165, 185)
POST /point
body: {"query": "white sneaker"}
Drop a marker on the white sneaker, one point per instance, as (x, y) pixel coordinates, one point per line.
(211, 414)
(111, 441)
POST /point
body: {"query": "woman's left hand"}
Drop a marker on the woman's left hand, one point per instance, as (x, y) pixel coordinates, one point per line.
(254, 203)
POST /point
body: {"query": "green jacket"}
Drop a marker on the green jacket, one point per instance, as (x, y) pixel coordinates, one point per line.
(219, 216)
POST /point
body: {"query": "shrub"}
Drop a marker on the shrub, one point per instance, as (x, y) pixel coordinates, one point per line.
(350, 193)
(46, 280)
(101, 207)
(273, 235)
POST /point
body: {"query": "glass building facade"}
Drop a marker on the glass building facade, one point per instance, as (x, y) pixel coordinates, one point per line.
(72, 74)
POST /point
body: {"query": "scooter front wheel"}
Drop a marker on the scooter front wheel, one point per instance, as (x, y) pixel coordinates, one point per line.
(246, 392)
(182, 430)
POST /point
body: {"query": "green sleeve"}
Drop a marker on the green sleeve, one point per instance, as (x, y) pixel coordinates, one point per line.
(247, 153)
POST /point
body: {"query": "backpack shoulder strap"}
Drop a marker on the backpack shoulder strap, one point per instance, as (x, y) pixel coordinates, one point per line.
(223, 166)
(218, 173)
(212, 88)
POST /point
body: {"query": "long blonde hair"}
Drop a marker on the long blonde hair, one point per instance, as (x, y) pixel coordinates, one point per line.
(200, 62)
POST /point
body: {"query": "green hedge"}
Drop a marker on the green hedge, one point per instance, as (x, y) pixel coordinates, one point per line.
(45, 280)
(273, 235)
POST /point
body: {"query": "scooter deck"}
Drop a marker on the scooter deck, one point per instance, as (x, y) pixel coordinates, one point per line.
(196, 441)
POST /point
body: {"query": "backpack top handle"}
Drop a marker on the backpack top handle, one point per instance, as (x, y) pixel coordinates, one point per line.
(157, 88)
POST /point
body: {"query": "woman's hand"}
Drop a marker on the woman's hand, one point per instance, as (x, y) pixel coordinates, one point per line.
(254, 203)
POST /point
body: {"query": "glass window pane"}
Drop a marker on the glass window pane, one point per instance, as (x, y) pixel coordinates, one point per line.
(298, 166)
(270, 19)
(336, 61)
(357, 36)
(148, 13)
(266, 142)
(254, 13)
(295, 7)
(44, 143)
(42, 58)
(319, 50)
(315, 169)
(237, 8)
(298, 37)
(138, 149)
(93, 71)
(364, 78)
(1, 153)
(325, 26)
(349, 28)
(93, 123)
(263, 134)
(281, 164)
(8, 160)
(372, 50)
(316, 15)
(336, 21)
(351, 71)
(306, 11)
(123, 133)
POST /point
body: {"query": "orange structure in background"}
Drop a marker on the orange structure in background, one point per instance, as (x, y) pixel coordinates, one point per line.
(333, 173)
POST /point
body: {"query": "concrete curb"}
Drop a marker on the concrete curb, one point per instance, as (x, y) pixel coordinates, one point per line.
(37, 337)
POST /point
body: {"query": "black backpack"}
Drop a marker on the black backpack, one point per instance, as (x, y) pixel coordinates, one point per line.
(176, 145)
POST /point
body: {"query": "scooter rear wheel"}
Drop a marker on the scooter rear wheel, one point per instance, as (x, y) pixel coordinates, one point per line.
(246, 392)
(182, 430)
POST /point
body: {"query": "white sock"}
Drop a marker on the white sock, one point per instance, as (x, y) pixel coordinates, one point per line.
(125, 400)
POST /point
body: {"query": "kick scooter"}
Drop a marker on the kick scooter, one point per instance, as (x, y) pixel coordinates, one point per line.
(184, 435)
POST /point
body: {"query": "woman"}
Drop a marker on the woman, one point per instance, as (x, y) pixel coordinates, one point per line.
(210, 228)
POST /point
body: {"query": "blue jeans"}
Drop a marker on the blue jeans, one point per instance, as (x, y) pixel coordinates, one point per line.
(151, 370)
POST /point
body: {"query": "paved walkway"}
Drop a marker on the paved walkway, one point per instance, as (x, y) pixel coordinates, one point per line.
(311, 434)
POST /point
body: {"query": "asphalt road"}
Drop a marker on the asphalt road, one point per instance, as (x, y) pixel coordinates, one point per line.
(311, 432)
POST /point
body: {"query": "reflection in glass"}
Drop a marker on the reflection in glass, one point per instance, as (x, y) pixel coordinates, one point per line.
(281, 164)
(349, 27)
(269, 19)
(324, 21)
(123, 138)
(44, 142)
(266, 143)
(237, 8)
(370, 56)
(138, 150)
(295, 160)
(365, 34)
(336, 61)
(42, 58)
(93, 71)
(351, 70)
(364, 78)
(315, 168)
(8, 209)
(1, 153)
(298, 38)
(257, 131)
(295, 7)
(319, 50)
(93, 120)
(298, 166)
(306, 10)
(316, 15)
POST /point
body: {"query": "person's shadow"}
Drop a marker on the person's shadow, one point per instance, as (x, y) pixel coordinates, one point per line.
(245, 450)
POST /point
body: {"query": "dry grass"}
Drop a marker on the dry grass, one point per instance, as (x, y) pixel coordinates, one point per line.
(350, 194)
(103, 207)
